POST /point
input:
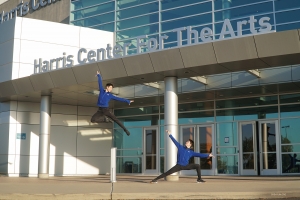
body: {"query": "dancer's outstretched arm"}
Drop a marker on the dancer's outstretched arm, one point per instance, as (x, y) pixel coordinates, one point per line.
(173, 139)
(100, 81)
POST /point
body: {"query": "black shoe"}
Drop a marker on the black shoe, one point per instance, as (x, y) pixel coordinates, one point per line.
(153, 181)
(127, 132)
(200, 181)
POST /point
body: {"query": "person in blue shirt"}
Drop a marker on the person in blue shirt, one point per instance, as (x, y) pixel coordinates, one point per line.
(104, 97)
(183, 156)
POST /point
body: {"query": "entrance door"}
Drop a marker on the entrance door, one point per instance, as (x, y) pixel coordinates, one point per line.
(150, 150)
(258, 152)
(269, 148)
(203, 142)
(248, 148)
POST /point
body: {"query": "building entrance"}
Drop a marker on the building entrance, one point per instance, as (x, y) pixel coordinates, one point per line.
(203, 142)
(258, 148)
(150, 150)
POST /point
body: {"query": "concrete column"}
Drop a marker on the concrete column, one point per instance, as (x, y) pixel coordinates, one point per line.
(44, 137)
(171, 123)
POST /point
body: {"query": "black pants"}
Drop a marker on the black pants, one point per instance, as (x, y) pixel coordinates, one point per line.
(177, 168)
(99, 117)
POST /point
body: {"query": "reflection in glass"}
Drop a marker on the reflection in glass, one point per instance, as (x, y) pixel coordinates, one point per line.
(224, 4)
(248, 161)
(188, 133)
(247, 138)
(129, 165)
(136, 111)
(268, 138)
(244, 11)
(290, 98)
(290, 110)
(205, 145)
(146, 120)
(290, 131)
(247, 113)
(151, 149)
(291, 163)
(269, 160)
(227, 164)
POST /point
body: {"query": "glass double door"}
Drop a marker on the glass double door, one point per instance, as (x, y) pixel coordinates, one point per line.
(258, 148)
(203, 138)
(150, 155)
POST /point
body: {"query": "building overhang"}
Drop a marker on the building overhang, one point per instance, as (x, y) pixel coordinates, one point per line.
(237, 54)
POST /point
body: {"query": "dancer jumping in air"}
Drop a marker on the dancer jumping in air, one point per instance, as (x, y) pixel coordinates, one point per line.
(104, 97)
(183, 156)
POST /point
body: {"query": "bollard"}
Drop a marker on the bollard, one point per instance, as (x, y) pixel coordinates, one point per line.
(113, 164)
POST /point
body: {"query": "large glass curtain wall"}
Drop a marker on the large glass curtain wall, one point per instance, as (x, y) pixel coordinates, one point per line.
(154, 18)
(225, 116)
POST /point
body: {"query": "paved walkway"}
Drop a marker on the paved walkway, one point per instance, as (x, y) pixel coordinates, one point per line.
(138, 187)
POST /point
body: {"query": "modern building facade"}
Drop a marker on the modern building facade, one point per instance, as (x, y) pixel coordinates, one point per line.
(224, 73)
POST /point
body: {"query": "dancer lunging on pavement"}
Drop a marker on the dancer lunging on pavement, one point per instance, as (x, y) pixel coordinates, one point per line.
(104, 97)
(183, 155)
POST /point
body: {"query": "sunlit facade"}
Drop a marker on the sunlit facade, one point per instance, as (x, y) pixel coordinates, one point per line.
(232, 124)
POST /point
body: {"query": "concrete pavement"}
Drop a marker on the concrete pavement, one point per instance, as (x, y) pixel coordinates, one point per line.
(138, 187)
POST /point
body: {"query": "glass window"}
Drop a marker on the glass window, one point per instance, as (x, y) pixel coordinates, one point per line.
(128, 3)
(289, 16)
(196, 106)
(122, 141)
(124, 152)
(106, 27)
(100, 19)
(227, 164)
(289, 130)
(139, 10)
(290, 111)
(290, 163)
(226, 134)
(286, 27)
(223, 4)
(286, 4)
(137, 111)
(244, 11)
(145, 30)
(189, 21)
(147, 120)
(227, 150)
(166, 4)
(85, 3)
(247, 113)
(193, 118)
(186, 11)
(93, 11)
(219, 26)
(129, 165)
(245, 102)
(138, 21)
(291, 148)
(290, 98)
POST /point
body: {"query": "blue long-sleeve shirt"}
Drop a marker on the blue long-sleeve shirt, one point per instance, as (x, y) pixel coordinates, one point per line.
(184, 154)
(104, 97)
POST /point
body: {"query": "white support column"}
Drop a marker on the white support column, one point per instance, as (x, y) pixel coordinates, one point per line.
(171, 123)
(44, 137)
(113, 161)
